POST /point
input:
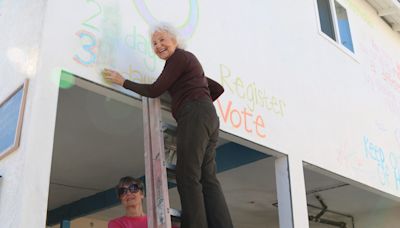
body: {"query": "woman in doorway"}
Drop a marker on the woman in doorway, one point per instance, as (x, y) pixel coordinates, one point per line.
(130, 193)
(203, 203)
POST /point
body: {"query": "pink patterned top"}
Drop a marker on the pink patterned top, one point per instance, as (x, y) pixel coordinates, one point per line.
(128, 222)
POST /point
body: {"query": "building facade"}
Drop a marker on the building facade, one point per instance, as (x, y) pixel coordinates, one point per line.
(311, 85)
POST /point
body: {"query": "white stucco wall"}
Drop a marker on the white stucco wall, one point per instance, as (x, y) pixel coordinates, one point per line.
(25, 172)
(380, 218)
(288, 87)
(331, 108)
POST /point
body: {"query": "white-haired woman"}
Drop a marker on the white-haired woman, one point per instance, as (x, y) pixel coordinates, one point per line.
(203, 203)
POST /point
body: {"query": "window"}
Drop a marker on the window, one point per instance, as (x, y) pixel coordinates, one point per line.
(334, 22)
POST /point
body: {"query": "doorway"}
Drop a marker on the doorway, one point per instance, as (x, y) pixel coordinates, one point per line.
(99, 139)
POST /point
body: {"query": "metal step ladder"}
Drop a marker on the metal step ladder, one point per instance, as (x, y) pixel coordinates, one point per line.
(160, 157)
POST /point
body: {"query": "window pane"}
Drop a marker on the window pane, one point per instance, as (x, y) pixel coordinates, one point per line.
(344, 27)
(325, 18)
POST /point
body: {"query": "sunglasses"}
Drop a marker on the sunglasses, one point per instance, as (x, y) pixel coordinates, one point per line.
(133, 188)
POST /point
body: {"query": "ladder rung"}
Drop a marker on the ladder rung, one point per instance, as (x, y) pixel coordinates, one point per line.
(170, 147)
(171, 172)
(175, 213)
(169, 129)
(171, 167)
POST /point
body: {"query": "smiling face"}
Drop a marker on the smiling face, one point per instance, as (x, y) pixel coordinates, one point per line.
(131, 199)
(164, 44)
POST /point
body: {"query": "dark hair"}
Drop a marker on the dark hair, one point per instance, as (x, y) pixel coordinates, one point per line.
(128, 180)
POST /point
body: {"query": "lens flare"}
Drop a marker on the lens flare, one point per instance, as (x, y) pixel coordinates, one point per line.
(67, 80)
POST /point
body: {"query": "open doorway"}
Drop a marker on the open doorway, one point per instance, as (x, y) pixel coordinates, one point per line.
(334, 201)
(99, 138)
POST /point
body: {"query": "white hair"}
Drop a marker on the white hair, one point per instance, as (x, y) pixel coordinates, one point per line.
(171, 30)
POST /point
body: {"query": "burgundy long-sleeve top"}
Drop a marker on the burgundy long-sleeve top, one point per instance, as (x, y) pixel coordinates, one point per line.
(183, 77)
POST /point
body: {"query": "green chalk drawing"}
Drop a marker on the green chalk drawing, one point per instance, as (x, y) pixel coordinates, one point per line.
(99, 11)
(186, 30)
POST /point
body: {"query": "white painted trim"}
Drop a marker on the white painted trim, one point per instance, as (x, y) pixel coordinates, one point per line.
(396, 3)
(107, 91)
(250, 144)
(335, 21)
(299, 197)
(388, 11)
(339, 46)
(291, 192)
(283, 193)
(21, 111)
(354, 183)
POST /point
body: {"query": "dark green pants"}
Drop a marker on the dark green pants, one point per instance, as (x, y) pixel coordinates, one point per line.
(202, 200)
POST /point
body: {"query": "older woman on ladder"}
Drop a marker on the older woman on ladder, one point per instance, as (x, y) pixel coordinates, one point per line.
(203, 203)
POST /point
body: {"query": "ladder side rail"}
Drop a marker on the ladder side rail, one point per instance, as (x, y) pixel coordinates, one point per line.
(161, 217)
(159, 167)
(148, 165)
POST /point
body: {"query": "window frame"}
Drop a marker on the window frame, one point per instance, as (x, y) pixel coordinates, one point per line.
(338, 42)
(23, 88)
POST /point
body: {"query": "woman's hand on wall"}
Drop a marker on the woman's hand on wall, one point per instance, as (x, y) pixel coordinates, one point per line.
(113, 76)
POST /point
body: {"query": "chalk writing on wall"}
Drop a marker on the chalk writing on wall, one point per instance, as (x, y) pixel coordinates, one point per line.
(247, 111)
(100, 35)
(186, 30)
(142, 45)
(110, 39)
(87, 55)
(244, 119)
(381, 126)
(387, 163)
(383, 74)
(89, 48)
(249, 92)
(89, 22)
(395, 164)
(136, 75)
(350, 159)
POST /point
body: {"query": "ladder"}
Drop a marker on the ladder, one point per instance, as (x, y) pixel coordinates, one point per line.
(159, 212)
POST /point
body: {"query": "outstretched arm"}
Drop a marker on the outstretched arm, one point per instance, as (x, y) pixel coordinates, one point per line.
(173, 69)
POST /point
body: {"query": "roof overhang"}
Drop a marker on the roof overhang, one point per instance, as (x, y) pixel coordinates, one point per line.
(389, 11)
